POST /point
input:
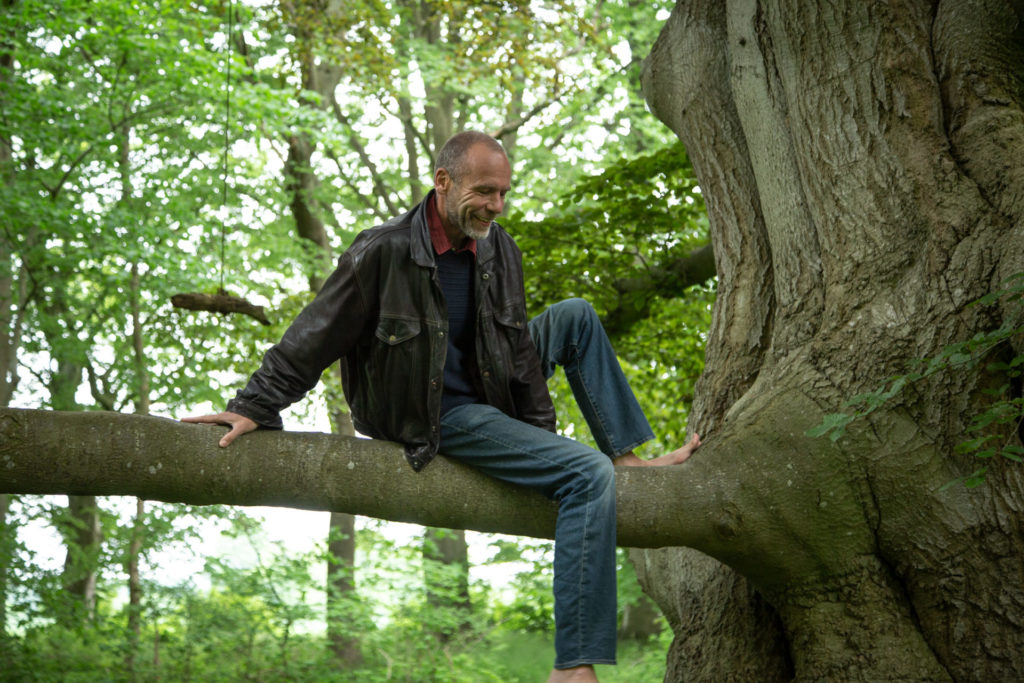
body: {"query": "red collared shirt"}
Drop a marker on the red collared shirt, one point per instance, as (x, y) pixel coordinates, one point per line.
(438, 237)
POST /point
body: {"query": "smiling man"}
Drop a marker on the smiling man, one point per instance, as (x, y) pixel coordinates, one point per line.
(427, 313)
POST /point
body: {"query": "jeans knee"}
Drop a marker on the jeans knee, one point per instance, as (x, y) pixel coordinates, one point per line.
(592, 479)
(576, 310)
(602, 475)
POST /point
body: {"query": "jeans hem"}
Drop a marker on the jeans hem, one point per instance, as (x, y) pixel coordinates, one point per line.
(626, 449)
(584, 661)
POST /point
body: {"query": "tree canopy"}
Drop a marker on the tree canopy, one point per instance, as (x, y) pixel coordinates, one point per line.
(149, 151)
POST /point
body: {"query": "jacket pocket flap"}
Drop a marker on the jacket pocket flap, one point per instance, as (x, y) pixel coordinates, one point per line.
(511, 316)
(395, 331)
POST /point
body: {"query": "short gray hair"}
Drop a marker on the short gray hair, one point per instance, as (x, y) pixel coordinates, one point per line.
(452, 156)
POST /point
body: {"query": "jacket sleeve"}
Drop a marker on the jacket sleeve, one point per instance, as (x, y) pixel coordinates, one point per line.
(322, 333)
(529, 388)
(528, 385)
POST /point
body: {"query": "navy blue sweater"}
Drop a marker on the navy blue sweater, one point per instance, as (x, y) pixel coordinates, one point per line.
(455, 272)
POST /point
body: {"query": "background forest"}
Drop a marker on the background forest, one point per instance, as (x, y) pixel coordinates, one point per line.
(151, 149)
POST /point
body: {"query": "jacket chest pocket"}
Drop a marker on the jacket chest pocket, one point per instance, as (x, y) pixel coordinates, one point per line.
(398, 357)
(511, 319)
(509, 325)
(393, 332)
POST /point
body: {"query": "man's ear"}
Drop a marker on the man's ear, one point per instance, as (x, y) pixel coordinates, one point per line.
(442, 181)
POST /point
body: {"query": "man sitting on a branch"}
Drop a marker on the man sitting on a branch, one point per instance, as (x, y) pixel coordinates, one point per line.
(427, 314)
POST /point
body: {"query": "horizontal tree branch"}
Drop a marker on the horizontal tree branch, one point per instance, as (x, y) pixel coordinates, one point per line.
(114, 454)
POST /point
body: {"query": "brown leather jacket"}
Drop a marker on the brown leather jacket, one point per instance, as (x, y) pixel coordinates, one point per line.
(383, 314)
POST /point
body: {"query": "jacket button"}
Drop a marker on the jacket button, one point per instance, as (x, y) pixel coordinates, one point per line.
(440, 334)
(486, 374)
(392, 338)
(486, 276)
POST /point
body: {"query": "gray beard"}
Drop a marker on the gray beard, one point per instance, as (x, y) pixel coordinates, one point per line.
(467, 229)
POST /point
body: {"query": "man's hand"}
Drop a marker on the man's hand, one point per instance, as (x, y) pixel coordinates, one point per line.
(238, 423)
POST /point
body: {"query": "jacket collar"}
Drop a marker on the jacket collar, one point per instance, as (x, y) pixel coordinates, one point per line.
(422, 251)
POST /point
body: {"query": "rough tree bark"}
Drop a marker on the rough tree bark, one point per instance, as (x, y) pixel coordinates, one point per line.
(862, 165)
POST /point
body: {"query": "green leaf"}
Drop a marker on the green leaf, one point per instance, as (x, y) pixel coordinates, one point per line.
(976, 478)
(972, 445)
(834, 423)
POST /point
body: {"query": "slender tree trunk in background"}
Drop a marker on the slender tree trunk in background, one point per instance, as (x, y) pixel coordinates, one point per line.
(8, 380)
(6, 552)
(411, 153)
(13, 297)
(862, 165)
(139, 523)
(341, 563)
(341, 589)
(341, 533)
(302, 183)
(439, 111)
(640, 620)
(446, 577)
(135, 586)
(81, 529)
(83, 537)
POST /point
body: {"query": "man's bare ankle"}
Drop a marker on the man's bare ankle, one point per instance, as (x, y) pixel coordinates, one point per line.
(577, 674)
(629, 460)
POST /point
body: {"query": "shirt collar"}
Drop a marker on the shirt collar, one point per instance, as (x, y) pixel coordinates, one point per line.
(438, 237)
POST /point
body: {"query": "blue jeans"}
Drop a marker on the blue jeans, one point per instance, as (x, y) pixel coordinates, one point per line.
(580, 478)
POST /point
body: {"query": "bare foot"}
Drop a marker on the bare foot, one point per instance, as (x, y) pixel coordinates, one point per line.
(676, 457)
(577, 674)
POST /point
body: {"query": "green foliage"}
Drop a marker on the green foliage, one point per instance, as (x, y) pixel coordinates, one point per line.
(112, 199)
(638, 216)
(256, 612)
(996, 431)
(126, 176)
(630, 223)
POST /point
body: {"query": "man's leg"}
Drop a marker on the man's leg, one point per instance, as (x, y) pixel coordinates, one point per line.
(570, 334)
(582, 481)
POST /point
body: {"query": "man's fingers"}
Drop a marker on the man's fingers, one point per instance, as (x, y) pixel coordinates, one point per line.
(236, 431)
(238, 423)
(209, 419)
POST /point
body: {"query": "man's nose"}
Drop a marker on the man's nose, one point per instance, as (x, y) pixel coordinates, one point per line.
(496, 203)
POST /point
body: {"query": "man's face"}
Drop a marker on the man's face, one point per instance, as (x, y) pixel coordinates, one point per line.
(469, 205)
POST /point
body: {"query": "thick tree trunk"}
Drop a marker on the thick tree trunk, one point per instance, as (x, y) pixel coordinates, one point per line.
(862, 165)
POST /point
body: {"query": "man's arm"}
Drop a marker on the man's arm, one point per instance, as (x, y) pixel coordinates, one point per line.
(528, 385)
(323, 332)
(529, 388)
